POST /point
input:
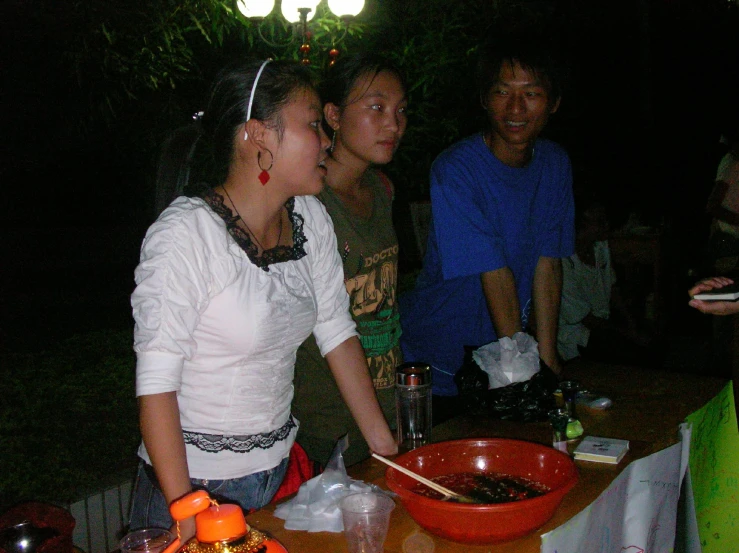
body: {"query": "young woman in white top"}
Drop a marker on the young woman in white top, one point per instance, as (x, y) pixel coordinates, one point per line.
(229, 285)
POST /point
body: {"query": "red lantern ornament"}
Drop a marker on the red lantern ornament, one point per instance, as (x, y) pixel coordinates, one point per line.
(305, 49)
(333, 54)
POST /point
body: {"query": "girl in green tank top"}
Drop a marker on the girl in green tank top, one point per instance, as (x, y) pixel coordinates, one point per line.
(364, 100)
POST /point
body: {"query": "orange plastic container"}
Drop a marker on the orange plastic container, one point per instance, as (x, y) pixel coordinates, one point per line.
(216, 526)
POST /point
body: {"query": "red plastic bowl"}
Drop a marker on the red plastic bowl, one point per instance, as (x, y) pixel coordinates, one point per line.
(484, 524)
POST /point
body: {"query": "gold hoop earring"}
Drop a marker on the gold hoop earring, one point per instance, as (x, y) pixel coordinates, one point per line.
(264, 175)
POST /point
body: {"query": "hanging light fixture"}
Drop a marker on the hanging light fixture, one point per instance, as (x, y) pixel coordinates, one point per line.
(299, 13)
(292, 9)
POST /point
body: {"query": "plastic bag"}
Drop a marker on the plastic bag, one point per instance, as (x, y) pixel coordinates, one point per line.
(315, 508)
(526, 401)
(472, 383)
(509, 360)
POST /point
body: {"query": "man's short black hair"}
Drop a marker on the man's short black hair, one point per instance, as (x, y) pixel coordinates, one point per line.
(530, 49)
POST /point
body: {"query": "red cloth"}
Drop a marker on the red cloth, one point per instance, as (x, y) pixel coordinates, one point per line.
(43, 515)
(299, 469)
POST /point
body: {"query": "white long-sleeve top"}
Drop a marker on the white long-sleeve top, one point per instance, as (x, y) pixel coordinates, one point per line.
(223, 333)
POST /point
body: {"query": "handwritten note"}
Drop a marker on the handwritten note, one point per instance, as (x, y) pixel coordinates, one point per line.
(635, 514)
(714, 472)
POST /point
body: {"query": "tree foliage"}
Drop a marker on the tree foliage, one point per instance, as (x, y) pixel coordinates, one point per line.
(147, 64)
(67, 418)
(129, 49)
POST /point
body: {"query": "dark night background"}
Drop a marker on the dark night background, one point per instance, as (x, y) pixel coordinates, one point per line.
(651, 82)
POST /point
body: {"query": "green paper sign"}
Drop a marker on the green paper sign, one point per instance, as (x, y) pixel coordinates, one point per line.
(714, 470)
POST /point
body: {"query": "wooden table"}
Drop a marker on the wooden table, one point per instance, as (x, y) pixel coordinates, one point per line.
(648, 407)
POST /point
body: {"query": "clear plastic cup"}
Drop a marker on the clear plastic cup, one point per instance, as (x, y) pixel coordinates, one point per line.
(366, 518)
(146, 540)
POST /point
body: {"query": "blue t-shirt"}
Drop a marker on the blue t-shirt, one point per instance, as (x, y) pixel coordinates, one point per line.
(485, 216)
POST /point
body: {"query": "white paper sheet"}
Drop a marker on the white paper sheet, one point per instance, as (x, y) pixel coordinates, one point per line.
(635, 514)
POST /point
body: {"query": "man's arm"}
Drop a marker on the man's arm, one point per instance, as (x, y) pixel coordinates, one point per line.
(499, 288)
(546, 296)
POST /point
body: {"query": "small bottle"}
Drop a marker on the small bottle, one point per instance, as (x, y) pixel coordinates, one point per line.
(413, 403)
(559, 419)
(570, 388)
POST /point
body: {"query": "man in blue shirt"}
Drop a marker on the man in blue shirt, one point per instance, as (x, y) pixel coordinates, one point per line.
(502, 219)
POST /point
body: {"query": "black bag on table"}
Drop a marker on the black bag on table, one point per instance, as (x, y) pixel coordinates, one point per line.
(528, 401)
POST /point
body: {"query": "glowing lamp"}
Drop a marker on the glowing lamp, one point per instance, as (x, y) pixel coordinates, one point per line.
(291, 9)
(346, 8)
(255, 8)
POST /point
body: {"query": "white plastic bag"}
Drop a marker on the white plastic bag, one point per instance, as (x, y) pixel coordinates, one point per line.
(509, 360)
(315, 508)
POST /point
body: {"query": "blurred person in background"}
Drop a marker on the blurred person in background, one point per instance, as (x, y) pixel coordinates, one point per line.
(594, 320)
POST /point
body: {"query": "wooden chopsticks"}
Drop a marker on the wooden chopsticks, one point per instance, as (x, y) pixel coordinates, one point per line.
(446, 492)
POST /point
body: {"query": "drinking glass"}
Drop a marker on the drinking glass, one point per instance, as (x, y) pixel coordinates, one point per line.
(413, 404)
(146, 540)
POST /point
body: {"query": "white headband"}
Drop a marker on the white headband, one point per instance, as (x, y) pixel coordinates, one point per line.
(251, 96)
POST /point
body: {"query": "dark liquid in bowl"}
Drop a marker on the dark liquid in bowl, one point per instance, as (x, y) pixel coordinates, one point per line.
(489, 487)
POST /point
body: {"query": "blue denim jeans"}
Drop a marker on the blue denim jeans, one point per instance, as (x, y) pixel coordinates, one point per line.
(149, 509)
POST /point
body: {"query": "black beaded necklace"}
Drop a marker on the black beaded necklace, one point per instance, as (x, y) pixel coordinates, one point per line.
(279, 235)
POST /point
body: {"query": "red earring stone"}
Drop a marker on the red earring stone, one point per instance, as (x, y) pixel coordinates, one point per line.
(263, 177)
